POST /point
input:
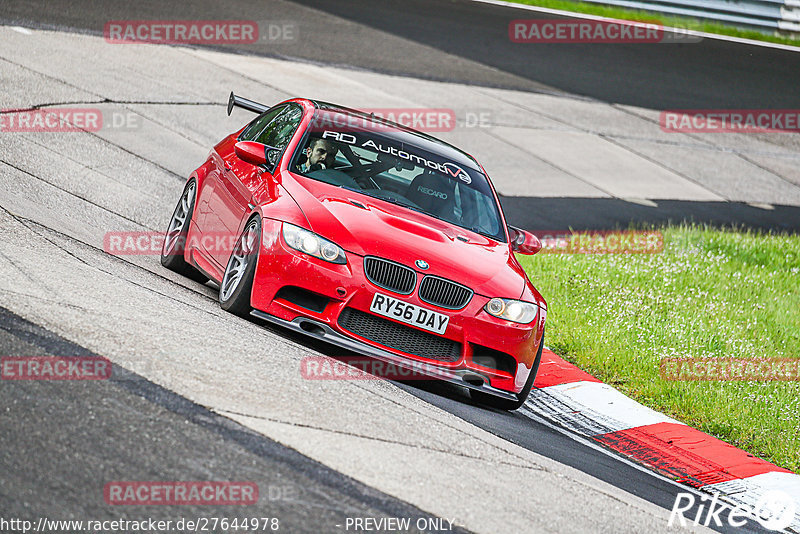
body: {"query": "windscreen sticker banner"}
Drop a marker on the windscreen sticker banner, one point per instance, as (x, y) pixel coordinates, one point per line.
(449, 169)
(453, 170)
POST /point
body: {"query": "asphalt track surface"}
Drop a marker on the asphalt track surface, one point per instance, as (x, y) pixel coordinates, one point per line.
(45, 432)
(467, 42)
(60, 443)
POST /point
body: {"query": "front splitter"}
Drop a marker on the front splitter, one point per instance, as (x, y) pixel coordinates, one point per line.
(324, 332)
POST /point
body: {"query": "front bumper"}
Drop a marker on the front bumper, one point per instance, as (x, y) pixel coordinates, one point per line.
(346, 286)
(316, 329)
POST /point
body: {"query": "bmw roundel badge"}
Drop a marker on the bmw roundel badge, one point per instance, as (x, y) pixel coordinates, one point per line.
(422, 264)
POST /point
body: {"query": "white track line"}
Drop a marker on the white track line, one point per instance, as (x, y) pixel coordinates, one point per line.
(593, 408)
(581, 410)
(749, 491)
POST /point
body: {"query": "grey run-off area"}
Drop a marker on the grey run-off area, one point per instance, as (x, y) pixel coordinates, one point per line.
(62, 192)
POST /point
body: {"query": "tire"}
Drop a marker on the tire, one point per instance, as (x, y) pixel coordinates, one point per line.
(505, 404)
(175, 236)
(237, 282)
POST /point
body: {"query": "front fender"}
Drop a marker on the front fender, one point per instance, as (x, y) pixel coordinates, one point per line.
(278, 206)
(200, 173)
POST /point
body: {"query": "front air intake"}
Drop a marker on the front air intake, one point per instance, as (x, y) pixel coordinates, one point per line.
(444, 293)
(390, 275)
(399, 336)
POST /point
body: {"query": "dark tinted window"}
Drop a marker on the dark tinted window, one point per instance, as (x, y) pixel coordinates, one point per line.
(257, 126)
(280, 130)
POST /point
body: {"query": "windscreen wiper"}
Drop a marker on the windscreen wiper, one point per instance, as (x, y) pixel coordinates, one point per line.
(400, 203)
(352, 189)
(389, 200)
(480, 232)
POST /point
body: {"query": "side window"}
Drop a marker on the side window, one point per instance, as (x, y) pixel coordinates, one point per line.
(278, 132)
(259, 123)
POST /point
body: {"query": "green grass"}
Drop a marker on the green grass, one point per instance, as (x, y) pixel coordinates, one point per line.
(664, 20)
(710, 293)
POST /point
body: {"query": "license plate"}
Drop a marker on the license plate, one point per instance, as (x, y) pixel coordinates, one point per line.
(409, 313)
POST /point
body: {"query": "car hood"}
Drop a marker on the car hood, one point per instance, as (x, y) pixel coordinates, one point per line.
(371, 227)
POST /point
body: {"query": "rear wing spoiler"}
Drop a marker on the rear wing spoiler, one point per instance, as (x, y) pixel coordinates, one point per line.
(249, 105)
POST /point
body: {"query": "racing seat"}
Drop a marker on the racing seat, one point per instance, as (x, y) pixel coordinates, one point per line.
(434, 193)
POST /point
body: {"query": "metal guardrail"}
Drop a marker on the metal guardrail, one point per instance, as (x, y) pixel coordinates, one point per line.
(772, 16)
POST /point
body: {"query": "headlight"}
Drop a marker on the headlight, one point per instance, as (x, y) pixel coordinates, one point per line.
(512, 310)
(312, 244)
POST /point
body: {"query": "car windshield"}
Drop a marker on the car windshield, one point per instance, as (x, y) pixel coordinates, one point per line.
(379, 161)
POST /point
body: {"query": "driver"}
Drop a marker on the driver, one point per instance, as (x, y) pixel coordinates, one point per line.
(320, 154)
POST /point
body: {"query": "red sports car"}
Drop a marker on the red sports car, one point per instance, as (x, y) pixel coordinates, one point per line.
(369, 235)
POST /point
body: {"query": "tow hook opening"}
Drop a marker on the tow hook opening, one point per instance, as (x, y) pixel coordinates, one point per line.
(312, 328)
(473, 380)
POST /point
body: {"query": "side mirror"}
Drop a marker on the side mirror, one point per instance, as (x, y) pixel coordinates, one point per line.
(524, 242)
(256, 153)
